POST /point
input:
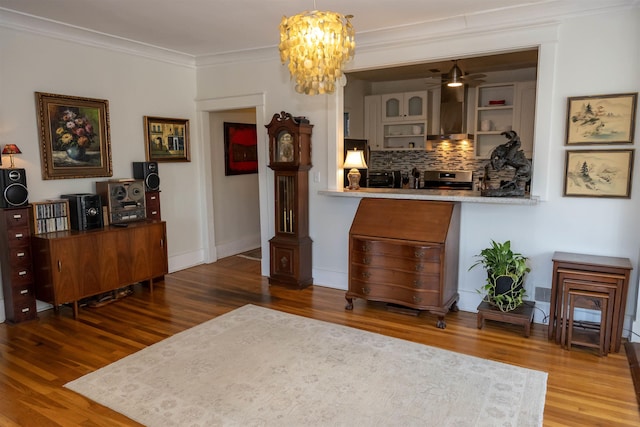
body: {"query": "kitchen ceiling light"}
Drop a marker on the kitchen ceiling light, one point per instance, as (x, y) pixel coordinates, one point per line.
(317, 44)
(454, 75)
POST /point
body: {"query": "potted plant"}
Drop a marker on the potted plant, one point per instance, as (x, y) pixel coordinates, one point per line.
(505, 276)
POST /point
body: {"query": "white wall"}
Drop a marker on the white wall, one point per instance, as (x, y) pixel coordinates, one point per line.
(236, 202)
(135, 87)
(586, 225)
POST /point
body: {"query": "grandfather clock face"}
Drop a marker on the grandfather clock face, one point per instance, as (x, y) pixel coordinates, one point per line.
(284, 147)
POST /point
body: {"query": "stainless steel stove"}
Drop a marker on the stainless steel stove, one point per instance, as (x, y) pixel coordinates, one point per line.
(448, 180)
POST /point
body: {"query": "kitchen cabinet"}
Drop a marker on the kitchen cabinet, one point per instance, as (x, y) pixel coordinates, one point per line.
(501, 107)
(372, 127)
(405, 106)
(72, 265)
(396, 121)
(413, 263)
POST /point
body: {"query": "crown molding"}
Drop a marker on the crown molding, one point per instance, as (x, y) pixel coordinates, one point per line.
(505, 19)
(54, 29)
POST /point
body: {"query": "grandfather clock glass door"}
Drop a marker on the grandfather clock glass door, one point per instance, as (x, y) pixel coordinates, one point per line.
(290, 159)
(286, 195)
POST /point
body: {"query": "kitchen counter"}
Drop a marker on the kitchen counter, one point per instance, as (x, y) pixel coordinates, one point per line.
(466, 196)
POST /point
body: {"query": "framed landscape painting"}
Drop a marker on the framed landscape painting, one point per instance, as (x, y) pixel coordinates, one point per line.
(603, 119)
(74, 136)
(240, 148)
(598, 173)
(166, 140)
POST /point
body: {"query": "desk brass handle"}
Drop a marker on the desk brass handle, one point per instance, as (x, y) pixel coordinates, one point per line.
(366, 274)
(366, 260)
(419, 267)
(417, 284)
(366, 291)
(417, 299)
(419, 253)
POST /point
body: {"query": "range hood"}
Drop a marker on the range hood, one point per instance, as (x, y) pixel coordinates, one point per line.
(453, 114)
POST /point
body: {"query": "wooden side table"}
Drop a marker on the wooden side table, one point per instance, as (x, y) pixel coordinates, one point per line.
(522, 315)
(600, 271)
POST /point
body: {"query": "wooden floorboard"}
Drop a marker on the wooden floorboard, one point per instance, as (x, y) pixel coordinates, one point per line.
(37, 358)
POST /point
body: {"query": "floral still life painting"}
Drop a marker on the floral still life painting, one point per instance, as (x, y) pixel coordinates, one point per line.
(598, 173)
(605, 119)
(74, 136)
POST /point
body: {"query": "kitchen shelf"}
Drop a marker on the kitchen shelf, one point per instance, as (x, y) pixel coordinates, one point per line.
(517, 114)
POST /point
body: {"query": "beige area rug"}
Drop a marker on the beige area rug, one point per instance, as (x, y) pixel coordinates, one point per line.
(259, 367)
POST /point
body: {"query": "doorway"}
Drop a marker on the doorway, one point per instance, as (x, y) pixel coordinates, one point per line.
(236, 207)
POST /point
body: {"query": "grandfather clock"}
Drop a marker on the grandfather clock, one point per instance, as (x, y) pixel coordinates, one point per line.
(290, 159)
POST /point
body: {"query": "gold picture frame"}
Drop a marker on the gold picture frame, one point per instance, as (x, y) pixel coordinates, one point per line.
(166, 139)
(602, 119)
(598, 173)
(74, 136)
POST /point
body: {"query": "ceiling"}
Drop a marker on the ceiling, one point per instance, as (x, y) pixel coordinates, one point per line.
(210, 27)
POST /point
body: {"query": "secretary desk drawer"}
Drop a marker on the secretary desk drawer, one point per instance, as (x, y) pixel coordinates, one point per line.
(401, 249)
(394, 293)
(406, 279)
(395, 263)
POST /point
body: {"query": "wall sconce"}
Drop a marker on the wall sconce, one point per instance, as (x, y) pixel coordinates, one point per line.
(11, 149)
(355, 160)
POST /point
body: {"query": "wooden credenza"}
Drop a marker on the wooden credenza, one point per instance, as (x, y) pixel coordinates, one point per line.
(405, 252)
(72, 265)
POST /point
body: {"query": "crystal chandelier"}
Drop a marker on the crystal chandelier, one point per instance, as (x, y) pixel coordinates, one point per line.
(317, 45)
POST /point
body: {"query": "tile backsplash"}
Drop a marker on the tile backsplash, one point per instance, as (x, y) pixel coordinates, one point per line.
(443, 155)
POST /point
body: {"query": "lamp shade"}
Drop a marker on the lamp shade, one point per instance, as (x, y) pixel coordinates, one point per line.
(355, 159)
(11, 149)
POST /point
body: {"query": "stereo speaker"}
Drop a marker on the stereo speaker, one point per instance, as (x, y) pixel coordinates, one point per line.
(123, 198)
(85, 211)
(13, 183)
(148, 172)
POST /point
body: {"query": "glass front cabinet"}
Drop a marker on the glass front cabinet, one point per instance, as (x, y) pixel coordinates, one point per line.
(290, 160)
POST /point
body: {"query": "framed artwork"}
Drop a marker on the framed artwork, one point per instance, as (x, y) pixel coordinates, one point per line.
(603, 119)
(598, 173)
(74, 136)
(166, 140)
(240, 148)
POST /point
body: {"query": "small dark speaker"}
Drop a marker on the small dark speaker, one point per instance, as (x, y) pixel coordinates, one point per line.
(85, 211)
(147, 171)
(13, 183)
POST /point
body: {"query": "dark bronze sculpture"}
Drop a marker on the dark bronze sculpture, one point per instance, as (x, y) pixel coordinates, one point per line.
(508, 155)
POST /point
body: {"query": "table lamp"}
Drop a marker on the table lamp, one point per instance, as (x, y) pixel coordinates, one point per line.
(355, 161)
(11, 149)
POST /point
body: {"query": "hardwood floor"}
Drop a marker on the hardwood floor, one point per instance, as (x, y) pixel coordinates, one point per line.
(39, 357)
